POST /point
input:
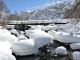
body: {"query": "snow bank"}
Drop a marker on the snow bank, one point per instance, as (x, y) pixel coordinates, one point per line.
(13, 31)
(29, 32)
(76, 55)
(61, 50)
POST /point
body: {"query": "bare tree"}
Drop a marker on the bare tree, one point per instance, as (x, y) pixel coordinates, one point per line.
(3, 11)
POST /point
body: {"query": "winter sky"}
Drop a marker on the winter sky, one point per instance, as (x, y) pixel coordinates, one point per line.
(25, 4)
(19, 5)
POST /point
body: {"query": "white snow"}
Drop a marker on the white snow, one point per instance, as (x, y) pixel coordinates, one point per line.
(41, 39)
(76, 55)
(61, 50)
(24, 47)
(75, 45)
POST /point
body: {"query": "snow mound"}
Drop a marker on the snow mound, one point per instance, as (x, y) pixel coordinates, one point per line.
(41, 38)
(75, 45)
(29, 32)
(22, 37)
(66, 37)
(13, 31)
(61, 50)
(24, 47)
(76, 55)
(46, 28)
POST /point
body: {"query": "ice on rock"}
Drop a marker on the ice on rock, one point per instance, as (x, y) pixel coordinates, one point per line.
(41, 38)
(61, 50)
(75, 45)
(55, 27)
(24, 47)
(76, 55)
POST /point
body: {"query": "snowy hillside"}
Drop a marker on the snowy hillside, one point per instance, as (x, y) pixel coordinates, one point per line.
(52, 10)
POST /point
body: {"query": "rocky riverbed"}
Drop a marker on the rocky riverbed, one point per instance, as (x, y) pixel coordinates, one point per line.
(51, 54)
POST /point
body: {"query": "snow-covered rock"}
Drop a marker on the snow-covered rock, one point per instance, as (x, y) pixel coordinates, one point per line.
(14, 31)
(24, 47)
(22, 37)
(29, 32)
(76, 55)
(66, 37)
(46, 28)
(75, 45)
(41, 38)
(55, 27)
(61, 50)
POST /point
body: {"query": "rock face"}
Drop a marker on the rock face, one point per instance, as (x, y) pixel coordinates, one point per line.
(61, 50)
(76, 55)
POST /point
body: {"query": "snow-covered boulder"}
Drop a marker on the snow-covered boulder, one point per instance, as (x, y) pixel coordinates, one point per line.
(76, 55)
(66, 37)
(61, 50)
(29, 32)
(52, 32)
(24, 47)
(41, 38)
(55, 27)
(4, 56)
(75, 45)
(22, 37)
(14, 31)
(46, 28)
